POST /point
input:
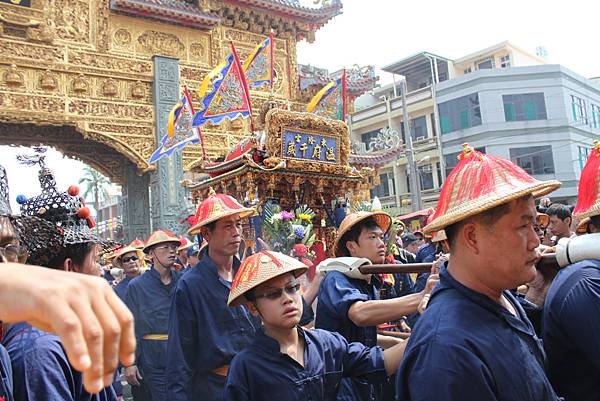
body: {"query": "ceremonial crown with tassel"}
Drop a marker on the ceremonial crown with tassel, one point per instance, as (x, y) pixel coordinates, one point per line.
(481, 182)
(588, 194)
(215, 207)
(260, 268)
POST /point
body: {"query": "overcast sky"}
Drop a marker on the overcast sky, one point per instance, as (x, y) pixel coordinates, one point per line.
(379, 32)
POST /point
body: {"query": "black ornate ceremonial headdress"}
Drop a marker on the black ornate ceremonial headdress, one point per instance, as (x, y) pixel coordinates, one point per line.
(68, 219)
(40, 238)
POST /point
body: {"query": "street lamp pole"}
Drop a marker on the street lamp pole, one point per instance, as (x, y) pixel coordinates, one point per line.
(415, 193)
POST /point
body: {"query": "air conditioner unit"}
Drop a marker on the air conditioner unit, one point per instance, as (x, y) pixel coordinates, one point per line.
(426, 168)
(420, 138)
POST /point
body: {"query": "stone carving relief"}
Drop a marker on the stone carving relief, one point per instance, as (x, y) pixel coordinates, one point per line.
(30, 51)
(48, 81)
(114, 110)
(138, 91)
(198, 52)
(70, 20)
(122, 38)
(13, 77)
(154, 42)
(110, 88)
(112, 62)
(79, 85)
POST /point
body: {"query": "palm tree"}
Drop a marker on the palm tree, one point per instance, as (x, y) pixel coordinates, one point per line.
(96, 184)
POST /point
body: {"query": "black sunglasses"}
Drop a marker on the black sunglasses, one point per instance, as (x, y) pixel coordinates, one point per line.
(276, 293)
(129, 259)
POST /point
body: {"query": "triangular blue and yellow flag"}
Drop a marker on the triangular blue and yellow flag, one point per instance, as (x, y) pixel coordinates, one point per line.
(180, 131)
(330, 101)
(224, 93)
(259, 66)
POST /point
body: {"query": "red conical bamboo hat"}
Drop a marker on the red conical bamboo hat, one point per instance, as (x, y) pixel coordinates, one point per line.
(588, 196)
(215, 207)
(481, 182)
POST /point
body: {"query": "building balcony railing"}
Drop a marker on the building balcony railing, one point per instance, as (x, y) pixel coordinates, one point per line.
(390, 204)
(396, 103)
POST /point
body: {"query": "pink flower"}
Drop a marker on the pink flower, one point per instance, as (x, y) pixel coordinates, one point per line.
(285, 215)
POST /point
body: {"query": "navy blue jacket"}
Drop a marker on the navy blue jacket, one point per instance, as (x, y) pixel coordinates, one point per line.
(121, 288)
(571, 331)
(466, 347)
(262, 373)
(336, 295)
(6, 386)
(41, 370)
(204, 333)
(150, 303)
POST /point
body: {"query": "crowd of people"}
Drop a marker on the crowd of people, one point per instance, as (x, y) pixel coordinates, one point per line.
(189, 321)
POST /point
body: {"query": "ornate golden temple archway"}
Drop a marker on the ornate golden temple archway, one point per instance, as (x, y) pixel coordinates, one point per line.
(85, 76)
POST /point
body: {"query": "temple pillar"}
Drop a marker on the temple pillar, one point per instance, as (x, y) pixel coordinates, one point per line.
(135, 204)
(167, 196)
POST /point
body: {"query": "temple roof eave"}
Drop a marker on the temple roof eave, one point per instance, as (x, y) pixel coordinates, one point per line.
(168, 11)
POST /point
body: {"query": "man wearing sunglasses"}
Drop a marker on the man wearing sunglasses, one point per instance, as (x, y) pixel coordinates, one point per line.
(149, 299)
(128, 259)
(204, 334)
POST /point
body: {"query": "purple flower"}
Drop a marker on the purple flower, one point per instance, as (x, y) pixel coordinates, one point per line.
(299, 231)
(285, 215)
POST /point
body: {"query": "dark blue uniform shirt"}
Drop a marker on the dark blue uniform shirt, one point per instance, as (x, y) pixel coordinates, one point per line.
(204, 334)
(262, 373)
(121, 288)
(6, 386)
(466, 347)
(336, 294)
(41, 370)
(150, 302)
(571, 331)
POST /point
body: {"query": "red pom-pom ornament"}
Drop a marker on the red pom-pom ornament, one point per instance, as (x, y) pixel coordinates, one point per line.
(73, 190)
(83, 213)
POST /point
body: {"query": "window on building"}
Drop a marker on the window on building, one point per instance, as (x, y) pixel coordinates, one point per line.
(451, 159)
(524, 107)
(460, 113)
(579, 109)
(505, 61)
(485, 65)
(534, 159)
(467, 70)
(418, 128)
(595, 116)
(367, 137)
(426, 176)
(386, 186)
(433, 127)
(438, 169)
(583, 155)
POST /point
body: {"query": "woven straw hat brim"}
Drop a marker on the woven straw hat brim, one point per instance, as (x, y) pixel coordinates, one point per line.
(245, 212)
(543, 220)
(160, 241)
(382, 219)
(116, 256)
(480, 205)
(186, 246)
(582, 226)
(591, 212)
(262, 273)
(240, 299)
